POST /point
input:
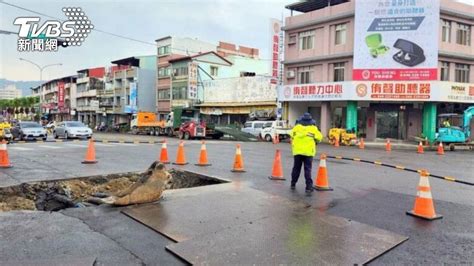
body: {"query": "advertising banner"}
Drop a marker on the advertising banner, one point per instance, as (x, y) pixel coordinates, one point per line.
(405, 91)
(192, 80)
(132, 107)
(276, 49)
(61, 95)
(396, 40)
(239, 90)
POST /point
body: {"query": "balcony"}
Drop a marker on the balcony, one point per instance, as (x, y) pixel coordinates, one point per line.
(84, 94)
(82, 80)
(131, 73)
(85, 108)
(106, 104)
(105, 93)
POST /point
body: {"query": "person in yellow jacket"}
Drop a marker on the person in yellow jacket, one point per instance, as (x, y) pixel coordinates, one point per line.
(304, 138)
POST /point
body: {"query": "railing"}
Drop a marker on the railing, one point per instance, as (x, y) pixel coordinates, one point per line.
(82, 80)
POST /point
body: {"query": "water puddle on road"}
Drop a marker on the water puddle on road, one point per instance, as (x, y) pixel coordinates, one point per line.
(61, 194)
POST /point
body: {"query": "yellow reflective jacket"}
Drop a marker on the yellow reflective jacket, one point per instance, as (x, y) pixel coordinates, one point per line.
(304, 139)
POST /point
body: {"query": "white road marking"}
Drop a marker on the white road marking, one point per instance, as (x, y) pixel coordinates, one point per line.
(49, 147)
(20, 148)
(76, 145)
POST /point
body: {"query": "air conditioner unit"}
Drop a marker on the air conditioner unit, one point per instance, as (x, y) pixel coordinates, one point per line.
(290, 74)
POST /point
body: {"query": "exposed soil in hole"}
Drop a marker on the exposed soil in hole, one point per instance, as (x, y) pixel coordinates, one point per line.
(57, 195)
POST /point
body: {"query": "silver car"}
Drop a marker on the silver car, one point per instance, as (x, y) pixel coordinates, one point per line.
(72, 129)
(28, 130)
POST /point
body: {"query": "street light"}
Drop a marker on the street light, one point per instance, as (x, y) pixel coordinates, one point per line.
(41, 68)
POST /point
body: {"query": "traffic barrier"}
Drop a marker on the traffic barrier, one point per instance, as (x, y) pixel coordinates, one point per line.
(388, 145)
(420, 148)
(361, 144)
(203, 156)
(440, 149)
(277, 169)
(164, 153)
(238, 161)
(180, 157)
(424, 206)
(90, 154)
(322, 183)
(4, 160)
(336, 143)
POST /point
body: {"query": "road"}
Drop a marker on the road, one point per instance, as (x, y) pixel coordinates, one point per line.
(367, 193)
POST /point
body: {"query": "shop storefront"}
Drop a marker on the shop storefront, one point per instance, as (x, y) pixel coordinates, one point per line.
(377, 110)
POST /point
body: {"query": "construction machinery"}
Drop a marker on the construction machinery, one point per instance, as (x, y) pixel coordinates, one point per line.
(146, 122)
(345, 137)
(458, 135)
(185, 124)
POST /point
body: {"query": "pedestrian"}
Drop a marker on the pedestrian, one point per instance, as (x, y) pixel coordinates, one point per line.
(304, 138)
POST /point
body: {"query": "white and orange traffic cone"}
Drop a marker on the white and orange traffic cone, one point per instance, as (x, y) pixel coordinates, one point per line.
(361, 144)
(388, 145)
(164, 153)
(90, 154)
(440, 149)
(336, 143)
(238, 161)
(420, 148)
(203, 156)
(4, 160)
(277, 169)
(180, 156)
(424, 206)
(322, 182)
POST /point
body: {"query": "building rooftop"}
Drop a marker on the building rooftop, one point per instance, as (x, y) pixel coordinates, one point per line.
(311, 5)
(198, 55)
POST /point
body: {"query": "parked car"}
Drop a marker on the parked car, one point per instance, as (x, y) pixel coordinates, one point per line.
(253, 127)
(273, 128)
(28, 130)
(72, 129)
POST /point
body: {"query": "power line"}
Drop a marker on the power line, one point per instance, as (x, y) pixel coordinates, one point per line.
(105, 32)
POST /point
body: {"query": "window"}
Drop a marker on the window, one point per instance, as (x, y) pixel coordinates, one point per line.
(341, 33)
(463, 34)
(180, 71)
(164, 71)
(304, 75)
(180, 93)
(163, 50)
(163, 94)
(461, 73)
(445, 30)
(444, 76)
(306, 40)
(339, 71)
(214, 71)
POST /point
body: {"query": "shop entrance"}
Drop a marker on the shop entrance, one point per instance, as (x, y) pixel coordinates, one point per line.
(391, 124)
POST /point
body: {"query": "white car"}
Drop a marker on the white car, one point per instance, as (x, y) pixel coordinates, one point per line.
(253, 127)
(72, 129)
(273, 128)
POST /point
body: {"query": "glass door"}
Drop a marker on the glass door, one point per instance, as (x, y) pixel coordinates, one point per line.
(387, 124)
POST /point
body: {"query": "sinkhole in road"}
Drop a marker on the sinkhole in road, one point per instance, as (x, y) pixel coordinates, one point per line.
(60, 194)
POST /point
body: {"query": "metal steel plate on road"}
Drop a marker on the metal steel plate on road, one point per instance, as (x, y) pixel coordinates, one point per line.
(222, 225)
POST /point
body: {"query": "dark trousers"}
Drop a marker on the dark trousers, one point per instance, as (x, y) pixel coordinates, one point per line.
(299, 160)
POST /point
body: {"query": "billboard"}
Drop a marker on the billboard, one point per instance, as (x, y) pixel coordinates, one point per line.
(277, 50)
(239, 90)
(396, 40)
(192, 80)
(61, 95)
(132, 107)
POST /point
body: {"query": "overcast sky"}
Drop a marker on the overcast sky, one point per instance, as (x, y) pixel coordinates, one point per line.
(240, 22)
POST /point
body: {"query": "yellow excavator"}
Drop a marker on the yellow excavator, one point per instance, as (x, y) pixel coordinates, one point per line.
(345, 137)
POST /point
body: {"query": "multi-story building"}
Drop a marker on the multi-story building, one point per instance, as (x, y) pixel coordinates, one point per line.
(10, 92)
(130, 87)
(58, 98)
(89, 81)
(168, 48)
(385, 69)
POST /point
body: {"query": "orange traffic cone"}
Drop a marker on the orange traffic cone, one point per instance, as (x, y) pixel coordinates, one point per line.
(277, 171)
(420, 148)
(164, 153)
(424, 207)
(336, 144)
(361, 144)
(440, 149)
(180, 157)
(388, 145)
(322, 176)
(4, 161)
(238, 161)
(203, 156)
(90, 154)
